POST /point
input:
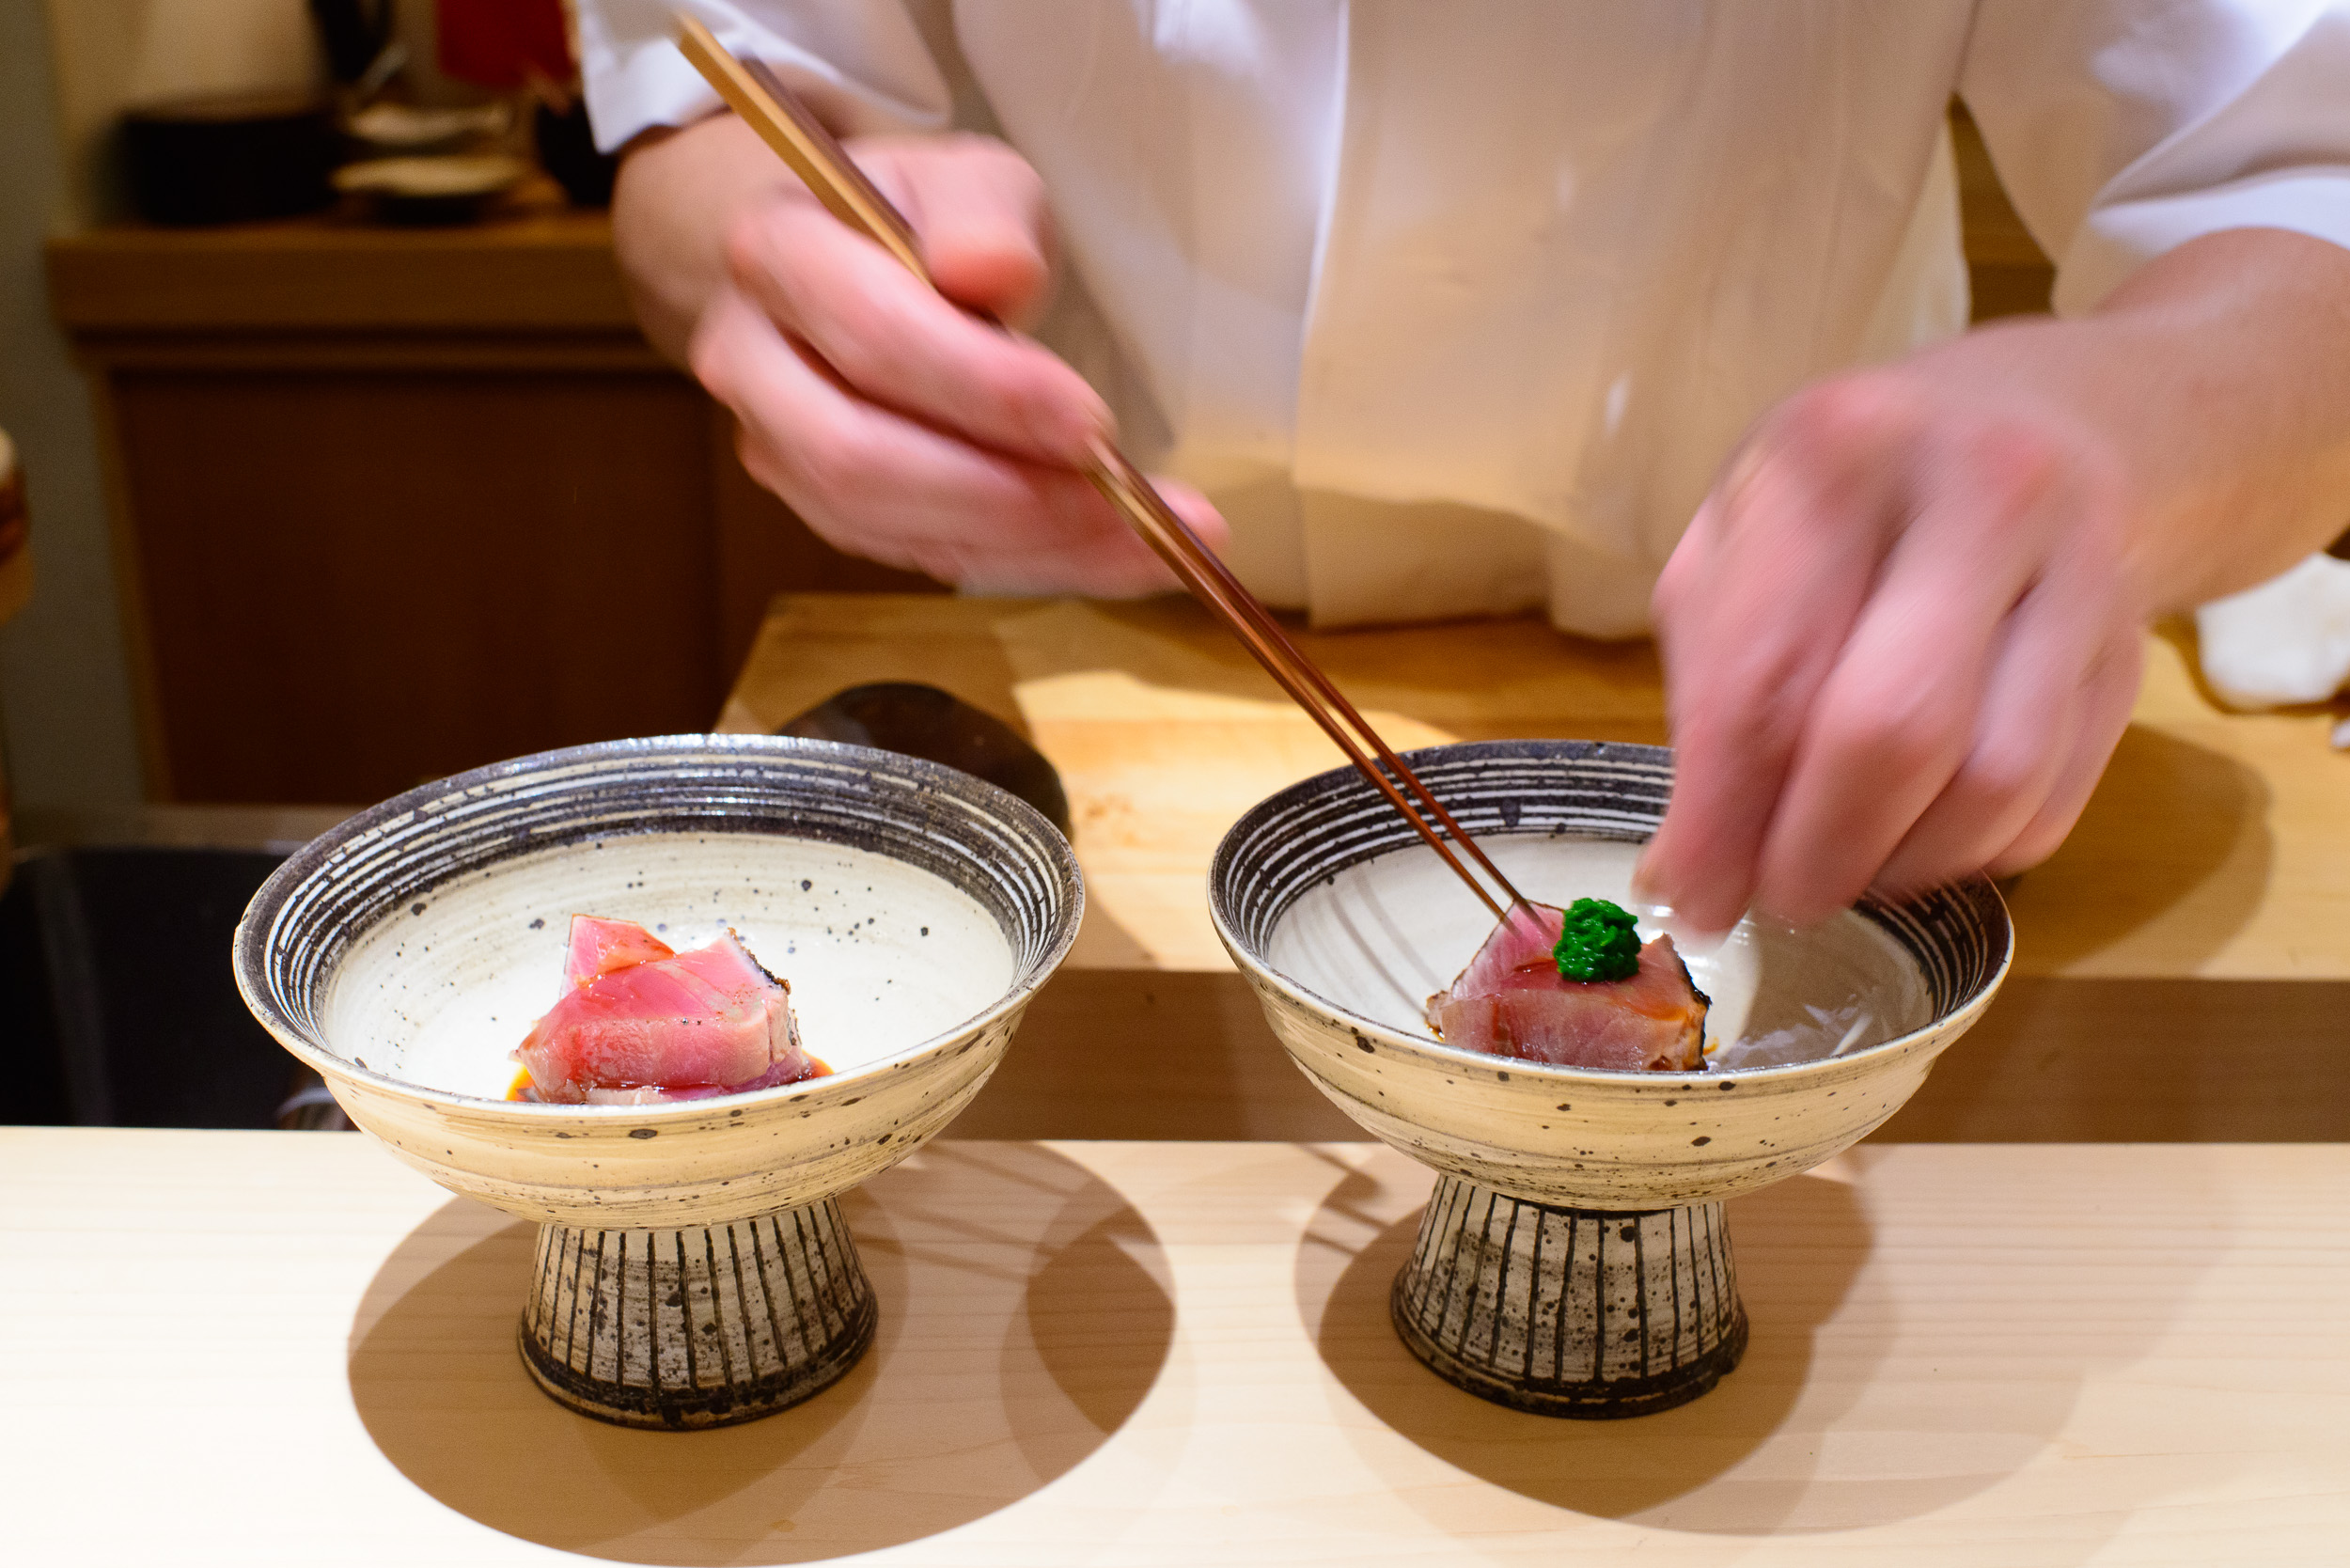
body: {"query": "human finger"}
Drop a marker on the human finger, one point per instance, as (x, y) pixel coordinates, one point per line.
(2022, 737)
(899, 343)
(1116, 565)
(869, 478)
(2037, 708)
(1777, 567)
(2104, 714)
(1893, 723)
(980, 213)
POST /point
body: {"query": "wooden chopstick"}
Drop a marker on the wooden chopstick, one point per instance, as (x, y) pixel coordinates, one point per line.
(1215, 585)
(761, 101)
(782, 120)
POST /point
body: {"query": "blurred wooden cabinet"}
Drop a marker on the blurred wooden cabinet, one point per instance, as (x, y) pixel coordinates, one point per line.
(389, 503)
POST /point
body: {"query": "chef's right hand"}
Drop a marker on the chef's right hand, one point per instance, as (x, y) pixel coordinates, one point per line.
(901, 425)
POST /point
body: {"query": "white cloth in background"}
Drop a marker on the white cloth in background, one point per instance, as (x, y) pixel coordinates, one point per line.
(1457, 310)
(2284, 642)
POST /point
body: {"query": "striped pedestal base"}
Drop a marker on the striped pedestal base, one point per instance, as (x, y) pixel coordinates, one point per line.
(1570, 1312)
(697, 1327)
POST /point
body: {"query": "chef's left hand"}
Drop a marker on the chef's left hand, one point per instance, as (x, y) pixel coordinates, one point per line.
(1901, 640)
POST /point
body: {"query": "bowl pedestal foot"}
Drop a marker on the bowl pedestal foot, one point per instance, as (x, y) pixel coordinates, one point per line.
(1580, 1312)
(697, 1327)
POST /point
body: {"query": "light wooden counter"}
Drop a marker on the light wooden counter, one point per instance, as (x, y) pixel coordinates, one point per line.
(254, 1348)
(2218, 846)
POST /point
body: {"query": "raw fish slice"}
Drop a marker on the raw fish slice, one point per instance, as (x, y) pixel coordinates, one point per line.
(1518, 950)
(644, 1094)
(727, 966)
(599, 946)
(1512, 1001)
(775, 1077)
(649, 1024)
(710, 1020)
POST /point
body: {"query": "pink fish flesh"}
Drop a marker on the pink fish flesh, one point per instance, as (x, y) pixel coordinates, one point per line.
(639, 1023)
(1512, 1001)
(775, 1077)
(599, 946)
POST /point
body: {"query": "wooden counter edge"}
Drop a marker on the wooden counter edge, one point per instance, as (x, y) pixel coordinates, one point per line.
(546, 272)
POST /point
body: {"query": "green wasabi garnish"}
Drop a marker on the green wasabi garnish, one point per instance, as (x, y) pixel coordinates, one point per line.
(1598, 942)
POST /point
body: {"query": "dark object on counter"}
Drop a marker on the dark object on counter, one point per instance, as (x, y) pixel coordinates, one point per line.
(229, 159)
(567, 151)
(118, 1005)
(922, 721)
(354, 32)
(310, 1107)
(16, 590)
(428, 192)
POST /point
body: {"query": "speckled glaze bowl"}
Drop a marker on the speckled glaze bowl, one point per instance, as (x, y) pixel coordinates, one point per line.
(693, 1268)
(1574, 1260)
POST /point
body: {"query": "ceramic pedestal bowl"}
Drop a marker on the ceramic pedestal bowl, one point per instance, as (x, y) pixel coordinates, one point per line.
(1574, 1260)
(693, 1269)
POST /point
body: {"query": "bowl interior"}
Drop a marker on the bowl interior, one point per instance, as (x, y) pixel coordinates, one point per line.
(880, 955)
(1327, 889)
(1381, 936)
(416, 943)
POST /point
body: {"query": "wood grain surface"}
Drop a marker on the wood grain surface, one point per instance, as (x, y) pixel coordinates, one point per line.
(1175, 1053)
(543, 272)
(385, 500)
(353, 585)
(259, 1348)
(2217, 845)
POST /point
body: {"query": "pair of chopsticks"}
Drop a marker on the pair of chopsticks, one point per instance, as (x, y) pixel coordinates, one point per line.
(782, 120)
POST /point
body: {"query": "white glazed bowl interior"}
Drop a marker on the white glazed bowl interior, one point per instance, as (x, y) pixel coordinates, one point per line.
(1387, 932)
(1345, 923)
(879, 954)
(912, 909)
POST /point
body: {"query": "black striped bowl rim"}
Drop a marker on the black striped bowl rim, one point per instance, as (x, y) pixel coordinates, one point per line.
(1959, 935)
(988, 843)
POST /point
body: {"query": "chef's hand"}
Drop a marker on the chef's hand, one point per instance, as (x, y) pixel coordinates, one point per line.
(1899, 642)
(1902, 635)
(898, 424)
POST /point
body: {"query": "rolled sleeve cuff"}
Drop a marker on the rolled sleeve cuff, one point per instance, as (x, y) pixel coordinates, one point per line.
(2121, 238)
(635, 78)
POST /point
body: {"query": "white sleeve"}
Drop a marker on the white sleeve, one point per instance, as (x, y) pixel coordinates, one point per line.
(2122, 128)
(861, 63)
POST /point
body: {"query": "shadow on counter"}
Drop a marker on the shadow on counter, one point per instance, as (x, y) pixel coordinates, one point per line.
(1006, 1353)
(1831, 1423)
(2166, 864)
(1635, 1467)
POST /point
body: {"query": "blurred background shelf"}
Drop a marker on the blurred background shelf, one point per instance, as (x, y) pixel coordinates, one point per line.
(548, 272)
(391, 503)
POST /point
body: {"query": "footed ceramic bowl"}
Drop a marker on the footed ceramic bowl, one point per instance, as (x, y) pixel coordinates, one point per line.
(1345, 924)
(693, 1269)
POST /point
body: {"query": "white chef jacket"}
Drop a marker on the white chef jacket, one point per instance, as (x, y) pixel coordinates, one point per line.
(1456, 308)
